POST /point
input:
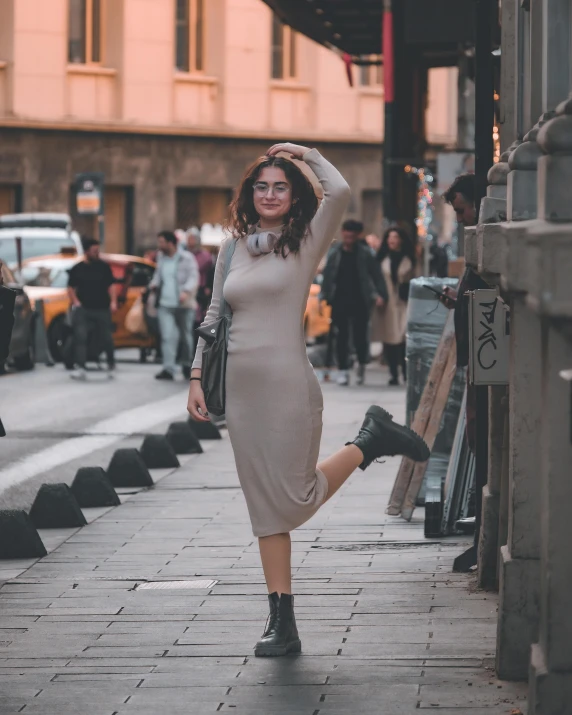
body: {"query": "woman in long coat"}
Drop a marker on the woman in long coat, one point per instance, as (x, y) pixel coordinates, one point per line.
(397, 258)
(273, 398)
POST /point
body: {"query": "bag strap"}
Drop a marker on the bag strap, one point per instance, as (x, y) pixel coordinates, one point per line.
(224, 308)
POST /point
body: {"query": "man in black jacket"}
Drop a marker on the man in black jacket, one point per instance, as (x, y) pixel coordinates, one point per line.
(352, 284)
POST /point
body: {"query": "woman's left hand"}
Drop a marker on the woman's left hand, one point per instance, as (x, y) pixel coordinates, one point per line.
(295, 150)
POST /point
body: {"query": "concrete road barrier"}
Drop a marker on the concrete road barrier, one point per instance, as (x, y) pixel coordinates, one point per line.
(204, 430)
(55, 507)
(19, 538)
(182, 439)
(157, 453)
(128, 469)
(93, 488)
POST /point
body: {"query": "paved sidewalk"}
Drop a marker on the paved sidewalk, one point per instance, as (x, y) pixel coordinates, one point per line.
(386, 627)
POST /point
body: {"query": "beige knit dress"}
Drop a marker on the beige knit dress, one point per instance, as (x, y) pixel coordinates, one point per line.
(273, 401)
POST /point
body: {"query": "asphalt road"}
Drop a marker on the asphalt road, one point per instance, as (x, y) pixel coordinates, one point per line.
(54, 425)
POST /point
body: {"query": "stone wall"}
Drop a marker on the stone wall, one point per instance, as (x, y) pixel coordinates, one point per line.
(45, 162)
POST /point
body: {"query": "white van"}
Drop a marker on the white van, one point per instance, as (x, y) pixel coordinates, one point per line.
(42, 234)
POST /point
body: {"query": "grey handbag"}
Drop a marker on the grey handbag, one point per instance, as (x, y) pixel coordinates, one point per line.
(215, 353)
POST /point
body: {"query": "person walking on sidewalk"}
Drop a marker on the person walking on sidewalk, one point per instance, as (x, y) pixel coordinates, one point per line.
(397, 260)
(206, 264)
(273, 398)
(176, 280)
(352, 285)
(91, 290)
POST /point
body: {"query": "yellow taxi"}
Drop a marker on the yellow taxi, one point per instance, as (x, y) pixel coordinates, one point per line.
(317, 316)
(46, 278)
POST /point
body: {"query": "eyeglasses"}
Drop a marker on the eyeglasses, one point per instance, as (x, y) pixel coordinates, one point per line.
(263, 189)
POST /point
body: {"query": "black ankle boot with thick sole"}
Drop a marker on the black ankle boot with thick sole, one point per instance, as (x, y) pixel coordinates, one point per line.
(281, 634)
(380, 436)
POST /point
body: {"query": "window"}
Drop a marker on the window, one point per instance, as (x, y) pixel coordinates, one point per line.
(189, 36)
(284, 61)
(371, 75)
(85, 31)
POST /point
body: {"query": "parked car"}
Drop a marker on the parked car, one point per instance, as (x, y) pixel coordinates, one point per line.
(317, 316)
(46, 278)
(22, 344)
(42, 234)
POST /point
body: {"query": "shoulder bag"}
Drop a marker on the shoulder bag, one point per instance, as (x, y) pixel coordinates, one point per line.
(215, 352)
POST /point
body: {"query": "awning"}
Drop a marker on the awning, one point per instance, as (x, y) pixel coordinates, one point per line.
(435, 28)
(352, 26)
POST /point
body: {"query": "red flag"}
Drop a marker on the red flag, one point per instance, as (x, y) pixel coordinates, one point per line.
(388, 64)
(348, 63)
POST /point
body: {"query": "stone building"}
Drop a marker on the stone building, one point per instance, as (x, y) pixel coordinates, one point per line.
(171, 99)
(529, 256)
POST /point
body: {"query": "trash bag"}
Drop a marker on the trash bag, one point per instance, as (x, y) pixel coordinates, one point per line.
(135, 319)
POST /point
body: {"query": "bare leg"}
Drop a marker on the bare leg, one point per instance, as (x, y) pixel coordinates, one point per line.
(340, 466)
(275, 553)
(275, 550)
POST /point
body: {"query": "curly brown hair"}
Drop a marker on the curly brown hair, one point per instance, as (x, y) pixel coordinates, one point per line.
(243, 215)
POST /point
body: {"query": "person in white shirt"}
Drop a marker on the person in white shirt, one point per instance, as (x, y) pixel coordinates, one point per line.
(176, 281)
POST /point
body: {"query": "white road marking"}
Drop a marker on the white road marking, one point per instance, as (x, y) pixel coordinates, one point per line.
(100, 435)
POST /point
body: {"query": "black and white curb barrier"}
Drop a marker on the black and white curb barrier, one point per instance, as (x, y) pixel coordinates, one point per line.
(55, 507)
(182, 439)
(19, 538)
(128, 469)
(93, 488)
(204, 430)
(157, 453)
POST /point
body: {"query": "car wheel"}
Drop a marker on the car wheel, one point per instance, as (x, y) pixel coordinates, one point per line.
(57, 334)
(27, 361)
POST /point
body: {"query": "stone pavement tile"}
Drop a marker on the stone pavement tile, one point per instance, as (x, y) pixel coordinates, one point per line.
(94, 651)
(175, 708)
(453, 695)
(193, 676)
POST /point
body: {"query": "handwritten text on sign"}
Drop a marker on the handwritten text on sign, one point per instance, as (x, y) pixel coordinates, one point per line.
(489, 338)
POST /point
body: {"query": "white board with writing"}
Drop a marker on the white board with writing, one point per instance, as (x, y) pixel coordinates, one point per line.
(489, 338)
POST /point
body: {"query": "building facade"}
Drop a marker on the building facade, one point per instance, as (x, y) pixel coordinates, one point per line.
(527, 530)
(171, 99)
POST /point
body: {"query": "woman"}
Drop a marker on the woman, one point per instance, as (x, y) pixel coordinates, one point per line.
(397, 258)
(274, 402)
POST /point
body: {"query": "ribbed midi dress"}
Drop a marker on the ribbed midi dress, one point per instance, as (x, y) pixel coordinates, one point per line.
(273, 398)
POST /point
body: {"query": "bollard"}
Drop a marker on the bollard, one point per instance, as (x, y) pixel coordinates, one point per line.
(157, 453)
(93, 488)
(55, 507)
(204, 430)
(127, 469)
(182, 439)
(41, 347)
(18, 536)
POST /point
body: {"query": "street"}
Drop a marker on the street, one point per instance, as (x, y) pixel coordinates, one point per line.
(385, 626)
(54, 425)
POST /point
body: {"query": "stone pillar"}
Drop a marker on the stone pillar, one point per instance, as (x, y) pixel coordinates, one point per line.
(519, 557)
(550, 295)
(489, 534)
(489, 251)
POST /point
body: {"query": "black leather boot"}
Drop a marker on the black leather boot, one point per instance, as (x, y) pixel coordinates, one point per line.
(380, 436)
(281, 635)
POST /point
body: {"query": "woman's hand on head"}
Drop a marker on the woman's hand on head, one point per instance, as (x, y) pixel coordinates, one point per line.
(295, 150)
(196, 406)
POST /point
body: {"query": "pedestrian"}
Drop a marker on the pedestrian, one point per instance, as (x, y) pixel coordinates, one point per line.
(374, 242)
(273, 398)
(91, 290)
(175, 281)
(352, 285)
(461, 196)
(206, 265)
(397, 259)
